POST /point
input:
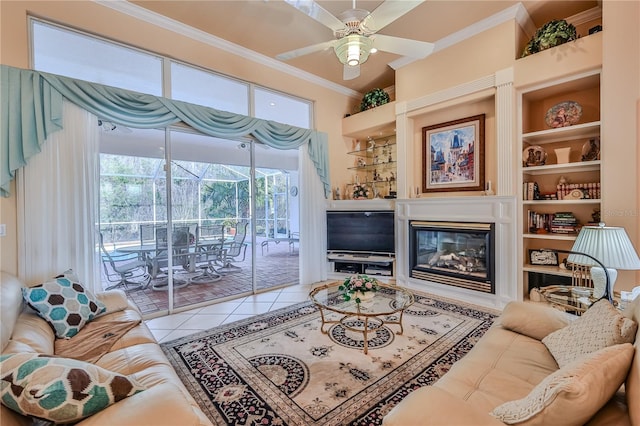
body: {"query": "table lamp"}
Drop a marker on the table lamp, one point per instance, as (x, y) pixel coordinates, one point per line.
(611, 246)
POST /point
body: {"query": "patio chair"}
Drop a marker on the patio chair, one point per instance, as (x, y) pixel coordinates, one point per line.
(234, 248)
(123, 269)
(180, 255)
(209, 239)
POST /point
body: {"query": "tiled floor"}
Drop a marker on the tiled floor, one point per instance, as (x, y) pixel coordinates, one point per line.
(177, 325)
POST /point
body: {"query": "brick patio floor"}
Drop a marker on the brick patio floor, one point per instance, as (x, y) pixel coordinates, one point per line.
(277, 267)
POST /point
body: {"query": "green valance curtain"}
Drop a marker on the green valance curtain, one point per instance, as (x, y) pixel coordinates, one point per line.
(31, 109)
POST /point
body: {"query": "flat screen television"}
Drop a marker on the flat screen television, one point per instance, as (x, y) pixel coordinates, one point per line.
(361, 231)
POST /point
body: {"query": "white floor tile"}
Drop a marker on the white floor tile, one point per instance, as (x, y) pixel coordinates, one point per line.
(160, 334)
(270, 296)
(203, 321)
(292, 298)
(253, 308)
(220, 308)
(169, 322)
(236, 317)
(279, 305)
(176, 334)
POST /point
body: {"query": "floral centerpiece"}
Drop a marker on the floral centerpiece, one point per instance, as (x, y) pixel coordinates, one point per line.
(360, 191)
(358, 287)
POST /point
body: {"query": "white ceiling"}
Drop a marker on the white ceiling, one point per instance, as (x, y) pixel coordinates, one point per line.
(270, 27)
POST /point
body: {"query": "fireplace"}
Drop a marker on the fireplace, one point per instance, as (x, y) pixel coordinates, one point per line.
(459, 254)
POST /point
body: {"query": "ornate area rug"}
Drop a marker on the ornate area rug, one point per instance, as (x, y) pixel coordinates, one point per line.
(280, 369)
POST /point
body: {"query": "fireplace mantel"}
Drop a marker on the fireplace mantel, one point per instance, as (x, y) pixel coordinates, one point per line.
(500, 210)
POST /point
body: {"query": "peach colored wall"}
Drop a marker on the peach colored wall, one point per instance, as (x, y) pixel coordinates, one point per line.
(620, 143)
(89, 16)
(474, 58)
(486, 107)
(469, 60)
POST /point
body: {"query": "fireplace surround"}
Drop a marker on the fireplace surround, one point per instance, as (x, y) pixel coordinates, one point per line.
(500, 211)
(460, 254)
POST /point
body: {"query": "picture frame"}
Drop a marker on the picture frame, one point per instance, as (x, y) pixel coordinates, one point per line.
(543, 257)
(453, 155)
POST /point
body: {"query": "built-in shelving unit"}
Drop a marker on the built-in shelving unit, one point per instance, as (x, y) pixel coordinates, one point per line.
(559, 195)
(375, 166)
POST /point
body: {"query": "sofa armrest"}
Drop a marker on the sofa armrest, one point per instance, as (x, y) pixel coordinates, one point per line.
(431, 405)
(533, 319)
(161, 405)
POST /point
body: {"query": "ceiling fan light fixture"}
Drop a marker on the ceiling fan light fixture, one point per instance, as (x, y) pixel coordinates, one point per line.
(353, 54)
(353, 49)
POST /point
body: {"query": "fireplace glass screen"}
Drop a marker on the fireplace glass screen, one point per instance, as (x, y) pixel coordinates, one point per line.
(458, 254)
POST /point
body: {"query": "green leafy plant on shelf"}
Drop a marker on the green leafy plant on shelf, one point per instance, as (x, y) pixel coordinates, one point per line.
(551, 34)
(374, 98)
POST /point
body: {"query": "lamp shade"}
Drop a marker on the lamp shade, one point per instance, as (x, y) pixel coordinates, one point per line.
(353, 49)
(608, 244)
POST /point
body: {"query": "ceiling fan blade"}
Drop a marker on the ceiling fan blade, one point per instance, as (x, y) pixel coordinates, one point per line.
(402, 46)
(386, 13)
(305, 50)
(349, 72)
(317, 12)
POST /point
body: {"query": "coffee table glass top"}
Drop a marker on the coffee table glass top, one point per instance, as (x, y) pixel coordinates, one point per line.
(390, 299)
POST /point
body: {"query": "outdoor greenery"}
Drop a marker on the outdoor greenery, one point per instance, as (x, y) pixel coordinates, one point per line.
(133, 191)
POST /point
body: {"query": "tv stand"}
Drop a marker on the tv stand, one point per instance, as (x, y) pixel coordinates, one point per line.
(374, 264)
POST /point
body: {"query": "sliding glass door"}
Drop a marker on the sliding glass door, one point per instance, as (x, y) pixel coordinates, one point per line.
(206, 224)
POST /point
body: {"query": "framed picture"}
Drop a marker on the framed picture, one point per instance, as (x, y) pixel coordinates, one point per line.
(453, 155)
(543, 257)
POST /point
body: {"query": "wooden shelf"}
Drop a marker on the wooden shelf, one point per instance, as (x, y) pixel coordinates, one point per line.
(562, 202)
(551, 270)
(583, 166)
(562, 134)
(551, 236)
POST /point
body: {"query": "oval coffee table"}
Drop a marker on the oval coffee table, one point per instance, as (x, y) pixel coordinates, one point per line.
(388, 301)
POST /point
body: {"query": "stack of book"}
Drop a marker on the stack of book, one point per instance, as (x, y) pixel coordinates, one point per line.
(531, 191)
(591, 190)
(564, 223)
(539, 223)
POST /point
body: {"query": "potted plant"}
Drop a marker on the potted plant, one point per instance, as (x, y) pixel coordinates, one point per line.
(551, 34)
(374, 98)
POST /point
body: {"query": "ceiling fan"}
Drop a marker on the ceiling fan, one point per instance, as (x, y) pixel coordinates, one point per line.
(355, 31)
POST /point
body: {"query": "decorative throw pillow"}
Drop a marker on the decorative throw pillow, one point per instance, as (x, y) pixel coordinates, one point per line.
(61, 390)
(600, 326)
(64, 303)
(574, 393)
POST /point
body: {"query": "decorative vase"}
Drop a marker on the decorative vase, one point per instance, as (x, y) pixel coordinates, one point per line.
(364, 296)
(562, 155)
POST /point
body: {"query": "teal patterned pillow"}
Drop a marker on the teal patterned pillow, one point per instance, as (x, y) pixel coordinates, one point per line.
(64, 303)
(61, 390)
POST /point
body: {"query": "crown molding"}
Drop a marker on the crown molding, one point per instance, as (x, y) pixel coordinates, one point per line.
(516, 12)
(161, 21)
(586, 16)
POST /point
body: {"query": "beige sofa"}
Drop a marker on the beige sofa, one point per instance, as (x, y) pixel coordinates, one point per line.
(165, 401)
(506, 365)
